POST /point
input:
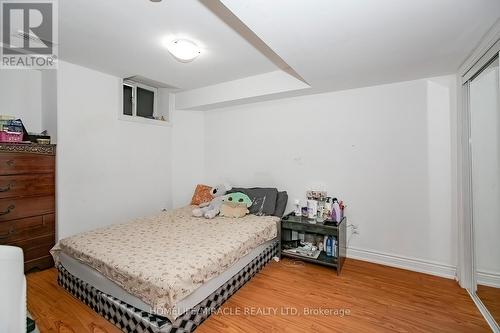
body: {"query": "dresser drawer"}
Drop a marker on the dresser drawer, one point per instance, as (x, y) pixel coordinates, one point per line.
(22, 163)
(35, 248)
(12, 209)
(30, 227)
(26, 185)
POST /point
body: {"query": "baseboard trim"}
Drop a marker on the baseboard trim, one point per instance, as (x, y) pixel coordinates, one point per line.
(488, 279)
(412, 264)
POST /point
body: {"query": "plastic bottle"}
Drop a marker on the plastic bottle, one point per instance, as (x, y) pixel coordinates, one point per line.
(298, 208)
(329, 246)
(312, 208)
(336, 210)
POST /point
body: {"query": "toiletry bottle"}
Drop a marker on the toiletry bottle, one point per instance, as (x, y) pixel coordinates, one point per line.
(312, 208)
(336, 210)
(329, 246)
(298, 208)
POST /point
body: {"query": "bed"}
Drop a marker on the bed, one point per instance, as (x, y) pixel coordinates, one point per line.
(165, 273)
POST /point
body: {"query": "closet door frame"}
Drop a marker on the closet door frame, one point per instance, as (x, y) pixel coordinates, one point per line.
(480, 58)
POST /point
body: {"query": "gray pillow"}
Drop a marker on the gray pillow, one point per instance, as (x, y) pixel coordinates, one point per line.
(263, 199)
(281, 202)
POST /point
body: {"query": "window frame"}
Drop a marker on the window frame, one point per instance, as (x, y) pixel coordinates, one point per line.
(134, 86)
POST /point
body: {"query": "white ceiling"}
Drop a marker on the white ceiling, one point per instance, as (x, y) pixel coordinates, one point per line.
(123, 38)
(331, 44)
(338, 44)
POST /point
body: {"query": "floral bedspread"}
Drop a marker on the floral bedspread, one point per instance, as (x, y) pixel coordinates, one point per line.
(162, 259)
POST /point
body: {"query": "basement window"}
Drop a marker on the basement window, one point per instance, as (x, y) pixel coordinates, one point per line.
(139, 100)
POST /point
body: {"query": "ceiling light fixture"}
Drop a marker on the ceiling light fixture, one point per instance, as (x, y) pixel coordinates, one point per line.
(183, 50)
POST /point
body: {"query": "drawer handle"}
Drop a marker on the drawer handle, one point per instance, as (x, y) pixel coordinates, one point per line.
(9, 209)
(6, 189)
(10, 162)
(8, 234)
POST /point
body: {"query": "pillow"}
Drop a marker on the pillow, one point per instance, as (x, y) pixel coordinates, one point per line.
(281, 202)
(201, 194)
(263, 199)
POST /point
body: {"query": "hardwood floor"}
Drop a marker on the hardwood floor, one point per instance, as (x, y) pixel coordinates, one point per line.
(55, 310)
(490, 297)
(373, 298)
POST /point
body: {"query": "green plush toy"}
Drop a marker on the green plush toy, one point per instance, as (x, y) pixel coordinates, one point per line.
(235, 205)
(238, 198)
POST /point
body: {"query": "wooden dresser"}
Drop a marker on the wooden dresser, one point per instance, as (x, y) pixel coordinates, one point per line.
(27, 201)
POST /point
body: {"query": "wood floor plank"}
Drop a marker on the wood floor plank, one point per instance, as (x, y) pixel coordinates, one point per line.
(55, 310)
(292, 296)
(490, 297)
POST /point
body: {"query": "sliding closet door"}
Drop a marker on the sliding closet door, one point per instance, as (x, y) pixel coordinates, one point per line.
(484, 111)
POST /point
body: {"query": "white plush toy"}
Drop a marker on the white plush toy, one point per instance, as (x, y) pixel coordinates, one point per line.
(210, 209)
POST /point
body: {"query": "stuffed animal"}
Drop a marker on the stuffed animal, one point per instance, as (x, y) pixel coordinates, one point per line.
(235, 205)
(210, 209)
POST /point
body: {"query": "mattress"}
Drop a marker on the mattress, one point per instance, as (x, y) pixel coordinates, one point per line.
(163, 259)
(103, 284)
(131, 319)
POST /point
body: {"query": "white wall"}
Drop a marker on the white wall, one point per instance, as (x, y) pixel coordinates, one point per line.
(108, 170)
(188, 151)
(385, 150)
(49, 103)
(485, 135)
(21, 96)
